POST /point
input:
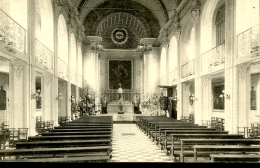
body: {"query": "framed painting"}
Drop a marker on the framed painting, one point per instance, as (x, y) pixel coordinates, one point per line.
(218, 97)
(120, 72)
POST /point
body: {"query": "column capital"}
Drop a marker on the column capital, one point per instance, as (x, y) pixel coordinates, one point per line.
(147, 43)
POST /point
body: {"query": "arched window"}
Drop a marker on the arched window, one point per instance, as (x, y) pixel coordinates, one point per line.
(220, 26)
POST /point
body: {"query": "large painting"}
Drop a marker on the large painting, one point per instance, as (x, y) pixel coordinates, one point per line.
(218, 99)
(120, 72)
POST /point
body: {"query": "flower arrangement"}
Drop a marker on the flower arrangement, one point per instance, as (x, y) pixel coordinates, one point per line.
(120, 106)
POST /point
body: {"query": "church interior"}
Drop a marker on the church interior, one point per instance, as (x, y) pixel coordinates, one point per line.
(132, 64)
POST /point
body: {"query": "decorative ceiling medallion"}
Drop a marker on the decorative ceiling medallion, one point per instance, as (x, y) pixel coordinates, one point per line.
(119, 36)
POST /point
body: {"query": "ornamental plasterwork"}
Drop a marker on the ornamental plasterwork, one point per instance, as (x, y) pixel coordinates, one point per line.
(206, 80)
(18, 69)
(243, 70)
(195, 11)
(119, 36)
(47, 78)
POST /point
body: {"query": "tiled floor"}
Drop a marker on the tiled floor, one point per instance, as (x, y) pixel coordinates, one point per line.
(130, 144)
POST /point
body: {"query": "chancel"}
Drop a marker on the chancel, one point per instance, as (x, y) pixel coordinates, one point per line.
(75, 74)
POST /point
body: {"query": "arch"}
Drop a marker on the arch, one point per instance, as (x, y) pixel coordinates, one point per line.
(173, 54)
(73, 52)
(79, 65)
(163, 63)
(208, 16)
(44, 23)
(62, 39)
(188, 41)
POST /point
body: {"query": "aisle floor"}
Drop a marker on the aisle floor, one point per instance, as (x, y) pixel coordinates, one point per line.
(130, 144)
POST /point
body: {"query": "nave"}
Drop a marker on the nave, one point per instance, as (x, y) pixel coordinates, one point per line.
(130, 144)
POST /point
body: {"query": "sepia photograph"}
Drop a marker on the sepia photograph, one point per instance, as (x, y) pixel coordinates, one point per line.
(130, 81)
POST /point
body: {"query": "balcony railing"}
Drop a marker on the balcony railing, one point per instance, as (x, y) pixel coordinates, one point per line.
(248, 42)
(187, 69)
(213, 58)
(113, 96)
(63, 69)
(173, 77)
(12, 33)
(43, 54)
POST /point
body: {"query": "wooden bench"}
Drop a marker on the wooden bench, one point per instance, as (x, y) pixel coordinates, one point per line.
(206, 150)
(79, 129)
(89, 123)
(186, 145)
(83, 126)
(159, 129)
(57, 152)
(232, 158)
(65, 143)
(177, 137)
(69, 137)
(76, 133)
(77, 159)
(152, 127)
(165, 139)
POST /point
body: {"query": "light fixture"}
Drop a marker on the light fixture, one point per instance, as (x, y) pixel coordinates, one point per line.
(59, 97)
(227, 96)
(192, 99)
(37, 95)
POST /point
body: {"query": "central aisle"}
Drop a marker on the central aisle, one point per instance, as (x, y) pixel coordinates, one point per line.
(130, 144)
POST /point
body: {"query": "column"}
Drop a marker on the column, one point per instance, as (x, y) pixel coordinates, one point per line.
(31, 69)
(148, 75)
(195, 12)
(55, 86)
(94, 77)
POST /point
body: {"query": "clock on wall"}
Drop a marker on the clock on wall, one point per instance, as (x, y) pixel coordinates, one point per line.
(119, 36)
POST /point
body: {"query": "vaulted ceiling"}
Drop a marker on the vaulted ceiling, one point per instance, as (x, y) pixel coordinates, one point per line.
(122, 23)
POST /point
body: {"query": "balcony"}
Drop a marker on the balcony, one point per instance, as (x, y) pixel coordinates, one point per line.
(62, 69)
(187, 69)
(213, 59)
(248, 43)
(173, 77)
(11, 33)
(43, 54)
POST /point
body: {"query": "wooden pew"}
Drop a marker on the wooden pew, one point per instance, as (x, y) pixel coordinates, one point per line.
(75, 133)
(83, 126)
(65, 143)
(206, 150)
(69, 137)
(186, 145)
(235, 158)
(89, 124)
(177, 137)
(152, 125)
(165, 139)
(79, 129)
(57, 152)
(77, 159)
(160, 128)
(145, 121)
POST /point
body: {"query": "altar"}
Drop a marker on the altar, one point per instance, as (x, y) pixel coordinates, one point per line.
(113, 108)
